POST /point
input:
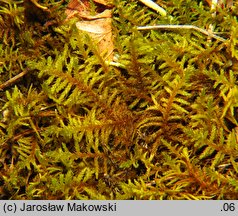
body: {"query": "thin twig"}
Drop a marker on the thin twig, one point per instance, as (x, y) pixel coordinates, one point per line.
(188, 27)
(155, 7)
(12, 80)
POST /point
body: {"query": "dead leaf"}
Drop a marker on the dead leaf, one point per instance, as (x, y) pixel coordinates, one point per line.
(105, 2)
(101, 33)
(84, 9)
(96, 22)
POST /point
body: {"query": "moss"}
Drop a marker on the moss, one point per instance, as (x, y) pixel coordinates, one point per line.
(75, 127)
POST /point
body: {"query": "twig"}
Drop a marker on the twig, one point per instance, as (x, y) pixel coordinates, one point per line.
(12, 80)
(188, 27)
(155, 7)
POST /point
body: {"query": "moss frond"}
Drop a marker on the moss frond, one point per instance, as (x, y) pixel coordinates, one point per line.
(161, 126)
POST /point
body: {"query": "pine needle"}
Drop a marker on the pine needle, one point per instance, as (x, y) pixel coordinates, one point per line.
(188, 27)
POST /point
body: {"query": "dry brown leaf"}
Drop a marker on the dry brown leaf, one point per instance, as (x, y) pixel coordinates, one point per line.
(105, 2)
(97, 25)
(101, 33)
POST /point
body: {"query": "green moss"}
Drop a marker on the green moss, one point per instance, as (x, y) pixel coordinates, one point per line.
(75, 127)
